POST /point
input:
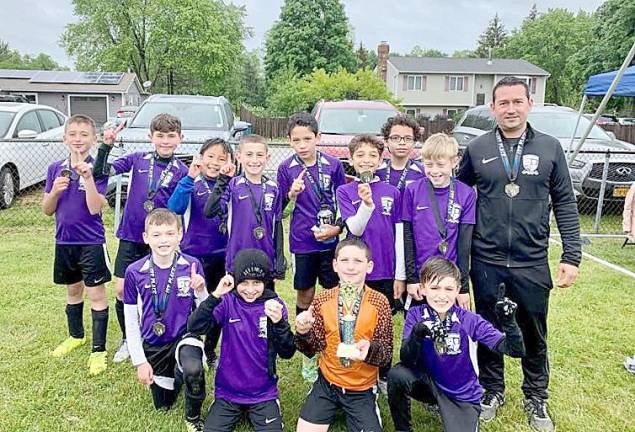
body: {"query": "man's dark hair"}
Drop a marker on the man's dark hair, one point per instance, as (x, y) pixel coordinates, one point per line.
(401, 120)
(302, 119)
(213, 142)
(437, 268)
(353, 241)
(509, 81)
(165, 123)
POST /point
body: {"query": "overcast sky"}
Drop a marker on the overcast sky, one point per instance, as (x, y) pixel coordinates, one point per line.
(34, 26)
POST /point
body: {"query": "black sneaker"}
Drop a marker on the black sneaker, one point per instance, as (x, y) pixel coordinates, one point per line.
(539, 419)
(490, 402)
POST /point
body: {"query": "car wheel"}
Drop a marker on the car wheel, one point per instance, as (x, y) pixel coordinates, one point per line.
(8, 187)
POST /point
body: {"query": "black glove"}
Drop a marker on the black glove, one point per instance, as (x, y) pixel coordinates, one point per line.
(422, 330)
(432, 329)
(505, 308)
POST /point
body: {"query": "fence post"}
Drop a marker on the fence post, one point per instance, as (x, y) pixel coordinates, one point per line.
(598, 211)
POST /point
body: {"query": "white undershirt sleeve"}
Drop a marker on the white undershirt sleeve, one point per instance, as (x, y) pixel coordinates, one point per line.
(133, 335)
(400, 268)
(357, 224)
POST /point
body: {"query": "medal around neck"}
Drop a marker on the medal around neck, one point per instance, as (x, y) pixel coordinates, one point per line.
(512, 189)
(259, 233)
(158, 328)
(148, 205)
(443, 247)
(346, 349)
(366, 177)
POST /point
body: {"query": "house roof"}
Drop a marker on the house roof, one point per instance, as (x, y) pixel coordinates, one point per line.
(465, 65)
(29, 82)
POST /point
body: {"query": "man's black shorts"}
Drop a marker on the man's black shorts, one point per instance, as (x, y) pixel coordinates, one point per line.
(128, 253)
(76, 263)
(314, 266)
(360, 407)
(264, 416)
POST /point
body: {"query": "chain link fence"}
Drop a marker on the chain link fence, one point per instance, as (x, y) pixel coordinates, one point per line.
(601, 180)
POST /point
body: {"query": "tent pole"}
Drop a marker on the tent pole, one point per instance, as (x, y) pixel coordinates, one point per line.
(607, 96)
(577, 123)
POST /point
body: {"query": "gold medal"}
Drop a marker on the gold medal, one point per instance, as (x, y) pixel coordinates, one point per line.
(259, 233)
(148, 205)
(512, 189)
(443, 247)
(158, 328)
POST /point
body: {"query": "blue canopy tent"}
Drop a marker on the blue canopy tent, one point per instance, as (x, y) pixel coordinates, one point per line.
(598, 85)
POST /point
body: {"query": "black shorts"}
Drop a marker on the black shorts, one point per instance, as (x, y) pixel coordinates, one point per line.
(76, 263)
(360, 407)
(224, 415)
(314, 266)
(213, 269)
(128, 253)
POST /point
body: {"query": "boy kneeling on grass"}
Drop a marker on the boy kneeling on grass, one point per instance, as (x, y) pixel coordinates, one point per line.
(255, 331)
(438, 352)
(160, 292)
(351, 327)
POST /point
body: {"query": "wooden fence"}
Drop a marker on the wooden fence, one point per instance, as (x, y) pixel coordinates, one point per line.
(622, 132)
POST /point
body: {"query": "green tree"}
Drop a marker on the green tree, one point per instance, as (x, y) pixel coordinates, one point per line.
(550, 41)
(464, 54)
(493, 37)
(12, 59)
(533, 14)
(417, 51)
(310, 35)
(180, 45)
(366, 58)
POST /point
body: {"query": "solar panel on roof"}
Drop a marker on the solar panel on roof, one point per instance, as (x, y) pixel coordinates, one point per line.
(14, 73)
(66, 77)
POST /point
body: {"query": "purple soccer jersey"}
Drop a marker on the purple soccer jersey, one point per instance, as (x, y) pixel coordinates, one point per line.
(307, 205)
(418, 210)
(241, 216)
(415, 172)
(202, 235)
(242, 376)
(379, 234)
(73, 222)
(181, 302)
(138, 164)
(456, 371)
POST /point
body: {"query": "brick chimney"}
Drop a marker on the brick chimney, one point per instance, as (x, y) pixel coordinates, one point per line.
(383, 50)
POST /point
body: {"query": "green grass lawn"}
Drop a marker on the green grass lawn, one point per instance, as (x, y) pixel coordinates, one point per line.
(591, 331)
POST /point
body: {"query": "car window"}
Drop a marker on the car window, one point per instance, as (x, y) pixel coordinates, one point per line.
(352, 121)
(485, 121)
(230, 115)
(28, 121)
(5, 121)
(192, 115)
(470, 120)
(61, 118)
(49, 120)
(561, 125)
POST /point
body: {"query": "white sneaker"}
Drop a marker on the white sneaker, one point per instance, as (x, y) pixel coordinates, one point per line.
(629, 364)
(122, 353)
(382, 384)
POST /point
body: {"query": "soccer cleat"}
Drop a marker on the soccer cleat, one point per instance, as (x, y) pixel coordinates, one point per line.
(629, 364)
(67, 346)
(97, 362)
(194, 425)
(122, 352)
(490, 402)
(539, 420)
(310, 368)
(212, 362)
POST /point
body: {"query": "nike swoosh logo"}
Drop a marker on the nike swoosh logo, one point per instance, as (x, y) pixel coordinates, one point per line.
(486, 161)
(422, 207)
(201, 193)
(99, 280)
(242, 197)
(140, 171)
(267, 421)
(234, 320)
(356, 202)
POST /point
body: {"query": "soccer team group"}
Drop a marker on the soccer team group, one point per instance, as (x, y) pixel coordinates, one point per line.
(202, 248)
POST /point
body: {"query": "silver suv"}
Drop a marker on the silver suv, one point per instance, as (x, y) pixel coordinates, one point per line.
(586, 170)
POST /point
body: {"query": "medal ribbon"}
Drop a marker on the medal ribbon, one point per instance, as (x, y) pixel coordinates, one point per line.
(512, 172)
(153, 187)
(402, 178)
(257, 207)
(442, 226)
(317, 186)
(160, 304)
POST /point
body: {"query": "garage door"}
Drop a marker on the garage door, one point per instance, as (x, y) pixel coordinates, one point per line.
(93, 106)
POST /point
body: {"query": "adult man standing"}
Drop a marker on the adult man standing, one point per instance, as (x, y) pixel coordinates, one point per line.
(517, 170)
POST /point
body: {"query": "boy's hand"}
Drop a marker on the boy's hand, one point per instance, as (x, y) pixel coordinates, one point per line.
(304, 321)
(273, 310)
(197, 282)
(84, 169)
(297, 186)
(60, 184)
(195, 166)
(326, 232)
(365, 193)
(229, 169)
(145, 373)
(398, 288)
(415, 291)
(110, 135)
(363, 346)
(463, 301)
(225, 285)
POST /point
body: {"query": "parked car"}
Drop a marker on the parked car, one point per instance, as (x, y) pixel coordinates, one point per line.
(604, 119)
(13, 98)
(35, 133)
(586, 169)
(340, 121)
(202, 118)
(626, 121)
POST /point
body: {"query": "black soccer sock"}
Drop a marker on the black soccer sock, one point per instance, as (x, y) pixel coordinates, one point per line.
(74, 316)
(100, 328)
(299, 310)
(120, 317)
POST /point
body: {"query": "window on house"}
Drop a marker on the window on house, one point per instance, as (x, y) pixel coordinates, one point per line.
(415, 82)
(456, 83)
(411, 112)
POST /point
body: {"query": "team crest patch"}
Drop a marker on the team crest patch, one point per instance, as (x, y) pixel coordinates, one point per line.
(183, 285)
(530, 164)
(326, 181)
(453, 344)
(455, 213)
(269, 201)
(386, 205)
(262, 327)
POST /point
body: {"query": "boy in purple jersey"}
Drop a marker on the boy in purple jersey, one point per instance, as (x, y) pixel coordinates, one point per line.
(401, 133)
(153, 177)
(438, 351)
(161, 291)
(438, 216)
(204, 238)
(255, 332)
(253, 206)
(76, 199)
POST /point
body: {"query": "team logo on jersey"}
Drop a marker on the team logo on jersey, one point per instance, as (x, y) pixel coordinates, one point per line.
(326, 181)
(455, 213)
(269, 201)
(183, 285)
(530, 164)
(262, 327)
(453, 344)
(386, 205)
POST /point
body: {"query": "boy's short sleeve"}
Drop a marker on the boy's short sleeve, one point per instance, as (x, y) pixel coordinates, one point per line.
(130, 291)
(468, 215)
(283, 180)
(347, 209)
(124, 163)
(278, 205)
(101, 184)
(406, 205)
(484, 332)
(220, 311)
(339, 178)
(50, 178)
